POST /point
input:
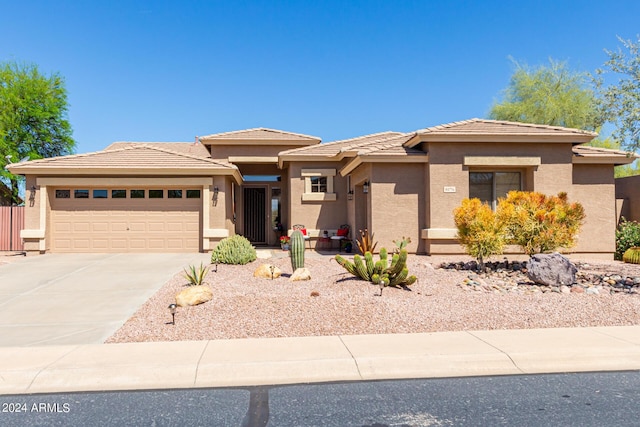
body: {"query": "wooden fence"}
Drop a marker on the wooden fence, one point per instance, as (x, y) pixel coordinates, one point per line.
(11, 222)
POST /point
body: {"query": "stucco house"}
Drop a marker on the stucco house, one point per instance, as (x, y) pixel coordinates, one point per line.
(174, 197)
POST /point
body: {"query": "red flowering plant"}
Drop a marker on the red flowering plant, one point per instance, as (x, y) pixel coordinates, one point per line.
(284, 240)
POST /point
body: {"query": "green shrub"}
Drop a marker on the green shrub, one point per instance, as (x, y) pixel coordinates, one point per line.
(234, 250)
(479, 230)
(539, 223)
(195, 276)
(627, 236)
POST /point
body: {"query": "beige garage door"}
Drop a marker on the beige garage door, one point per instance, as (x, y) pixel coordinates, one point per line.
(154, 220)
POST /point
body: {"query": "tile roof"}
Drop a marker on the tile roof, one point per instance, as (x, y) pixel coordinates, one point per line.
(335, 148)
(138, 156)
(189, 148)
(258, 134)
(588, 152)
(497, 127)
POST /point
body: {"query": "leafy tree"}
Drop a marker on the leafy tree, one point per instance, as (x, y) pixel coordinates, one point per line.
(33, 118)
(549, 95)
(539, 223)
(620, 102)
(479, 230)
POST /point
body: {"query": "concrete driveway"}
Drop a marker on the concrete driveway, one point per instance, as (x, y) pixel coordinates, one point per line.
(60, 299)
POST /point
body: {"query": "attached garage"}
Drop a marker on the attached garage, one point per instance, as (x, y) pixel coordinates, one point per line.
(131, 197)
(111, 220)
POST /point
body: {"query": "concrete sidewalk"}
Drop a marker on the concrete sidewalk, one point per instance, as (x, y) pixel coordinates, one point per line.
(248, 362)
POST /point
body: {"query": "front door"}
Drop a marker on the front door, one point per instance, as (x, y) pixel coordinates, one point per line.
(255, 214)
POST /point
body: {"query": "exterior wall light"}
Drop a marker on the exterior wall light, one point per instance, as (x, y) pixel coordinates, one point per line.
(350, 195)
(32, 195)
(216, 190)
(365, 187)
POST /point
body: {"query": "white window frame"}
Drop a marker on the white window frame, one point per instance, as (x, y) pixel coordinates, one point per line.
(308, 195)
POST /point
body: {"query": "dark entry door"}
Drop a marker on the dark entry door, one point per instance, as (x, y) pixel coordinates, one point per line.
(255, 214)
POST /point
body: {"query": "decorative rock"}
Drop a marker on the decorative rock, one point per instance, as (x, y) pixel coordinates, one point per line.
(551, 269)
(592, 291)
(264, 271)
(565, 289)
(577, 289)
(300, 274)
(194, 295)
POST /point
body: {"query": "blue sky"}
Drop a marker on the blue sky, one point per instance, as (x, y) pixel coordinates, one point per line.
(168, 71)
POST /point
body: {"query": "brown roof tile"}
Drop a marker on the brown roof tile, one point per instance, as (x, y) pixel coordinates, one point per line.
(258, 134)
(496, 127)
(133, 156)
(189, 148)
(334, 148)
(589, 151)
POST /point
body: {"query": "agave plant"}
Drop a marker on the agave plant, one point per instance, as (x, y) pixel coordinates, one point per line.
(365, 242)
(196, 276)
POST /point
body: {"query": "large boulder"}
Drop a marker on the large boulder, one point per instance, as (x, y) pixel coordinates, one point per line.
(300, 274)
(264, 271)
(551, 270)
(194, 295)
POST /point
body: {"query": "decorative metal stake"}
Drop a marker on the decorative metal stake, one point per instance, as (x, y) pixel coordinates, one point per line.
(273, 269)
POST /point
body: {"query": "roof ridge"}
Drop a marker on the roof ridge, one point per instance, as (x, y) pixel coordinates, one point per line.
(234, 132)
(505, 122)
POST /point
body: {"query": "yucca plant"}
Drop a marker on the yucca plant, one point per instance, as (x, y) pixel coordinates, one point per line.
(196, 276)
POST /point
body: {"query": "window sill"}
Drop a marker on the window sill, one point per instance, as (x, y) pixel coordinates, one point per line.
(318, 197)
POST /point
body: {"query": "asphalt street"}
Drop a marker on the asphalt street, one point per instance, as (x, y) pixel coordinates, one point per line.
(584, 399)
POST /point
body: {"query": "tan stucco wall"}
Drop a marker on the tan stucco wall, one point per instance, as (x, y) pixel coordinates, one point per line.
(222, 152)
(360, 206)
(318, 215)
(628, 189)
(593, 187)
(398, 204)
(32, 215)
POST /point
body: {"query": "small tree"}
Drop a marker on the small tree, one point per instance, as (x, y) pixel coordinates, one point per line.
(539, 223)
(479, 230)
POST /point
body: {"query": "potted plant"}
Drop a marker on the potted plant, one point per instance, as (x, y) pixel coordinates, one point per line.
(284, 242)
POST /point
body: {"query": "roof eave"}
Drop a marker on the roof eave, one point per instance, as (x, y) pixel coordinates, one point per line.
(603, 160)
(131, 171)
(382, 158)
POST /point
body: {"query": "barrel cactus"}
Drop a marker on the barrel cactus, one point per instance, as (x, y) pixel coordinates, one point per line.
(396, 274)
(632, 255)
(297, 250)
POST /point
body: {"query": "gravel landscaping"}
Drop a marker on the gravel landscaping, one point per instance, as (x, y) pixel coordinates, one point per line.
(335, 303)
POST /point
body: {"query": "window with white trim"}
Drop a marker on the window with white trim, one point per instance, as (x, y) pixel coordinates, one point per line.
(318, 185)
(490, 186)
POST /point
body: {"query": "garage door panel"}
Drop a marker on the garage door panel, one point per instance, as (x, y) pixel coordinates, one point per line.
(100, 227)
(118, 226)
(125, 225)
(154, 226)
(81, 227)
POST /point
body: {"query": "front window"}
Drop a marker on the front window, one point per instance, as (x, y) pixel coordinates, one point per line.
(318, 184)
(490, 186)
